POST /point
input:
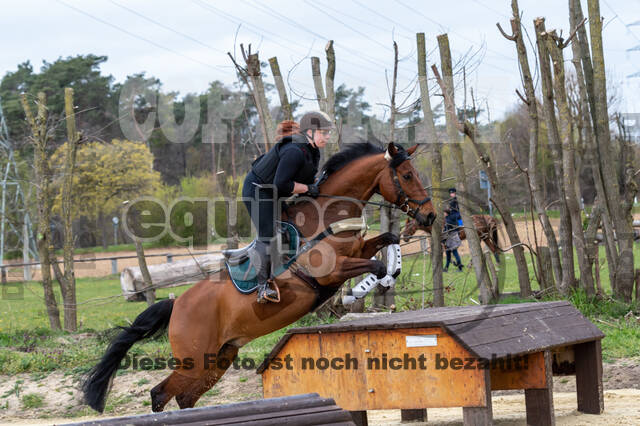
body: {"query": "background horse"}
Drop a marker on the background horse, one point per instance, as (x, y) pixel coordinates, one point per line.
(211, 321)
(486, 226)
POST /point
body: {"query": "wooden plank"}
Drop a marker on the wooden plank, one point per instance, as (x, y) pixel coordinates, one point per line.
(359, 418)
(532, 375)
(191, 415)
(539, 402)
(510, 326)
(380, 385)
(411, 415)
(430, 317)
(480, 416)
(588, 358)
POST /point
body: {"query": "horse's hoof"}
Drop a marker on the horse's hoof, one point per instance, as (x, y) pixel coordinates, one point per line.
(380, 270)
(394, 239)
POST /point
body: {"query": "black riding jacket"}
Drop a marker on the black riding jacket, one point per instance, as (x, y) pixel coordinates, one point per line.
(294, 160)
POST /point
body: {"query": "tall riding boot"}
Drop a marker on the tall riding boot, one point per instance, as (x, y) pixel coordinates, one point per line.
(263, 272)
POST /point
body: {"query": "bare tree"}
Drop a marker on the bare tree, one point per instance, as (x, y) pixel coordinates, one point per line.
(68, 284)
(533, 170)
(446, 85)
(556, 45)
(282, 91)
(326, 94)
(40, 136)
(436, 172)
(555, 144)
(251, 76)
(389, 218)
(597, 92)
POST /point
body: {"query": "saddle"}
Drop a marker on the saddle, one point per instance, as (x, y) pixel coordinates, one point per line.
(288, 247)
(243, 273)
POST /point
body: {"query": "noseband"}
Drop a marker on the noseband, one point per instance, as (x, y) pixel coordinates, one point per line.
(402, 198)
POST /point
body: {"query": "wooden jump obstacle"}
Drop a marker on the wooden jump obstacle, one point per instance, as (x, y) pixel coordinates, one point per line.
(309, 409)
(443, 357)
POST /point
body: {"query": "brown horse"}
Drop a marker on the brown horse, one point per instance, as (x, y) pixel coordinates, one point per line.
(211, 321)
(486, 227)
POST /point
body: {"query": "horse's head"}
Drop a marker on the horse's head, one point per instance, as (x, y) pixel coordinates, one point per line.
(400, 184)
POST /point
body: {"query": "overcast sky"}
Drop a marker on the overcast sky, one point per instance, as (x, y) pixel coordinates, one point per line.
(184, 43)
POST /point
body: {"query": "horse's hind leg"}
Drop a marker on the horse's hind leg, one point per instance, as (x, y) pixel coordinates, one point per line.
(168, 388)
(191, 395)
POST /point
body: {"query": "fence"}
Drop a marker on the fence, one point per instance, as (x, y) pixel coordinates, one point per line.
(27, 272)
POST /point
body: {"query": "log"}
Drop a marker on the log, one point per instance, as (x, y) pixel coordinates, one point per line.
(165, 275)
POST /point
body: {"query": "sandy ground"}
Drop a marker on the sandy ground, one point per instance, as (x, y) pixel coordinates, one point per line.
(130, 395)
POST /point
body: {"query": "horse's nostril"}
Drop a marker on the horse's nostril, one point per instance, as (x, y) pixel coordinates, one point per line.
(430, 218)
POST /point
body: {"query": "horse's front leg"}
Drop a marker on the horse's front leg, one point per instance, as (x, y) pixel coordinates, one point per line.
(373, 245)
(351, 267)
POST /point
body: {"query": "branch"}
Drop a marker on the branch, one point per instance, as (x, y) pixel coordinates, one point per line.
(522, 97)
(562, 45)
(505, 35)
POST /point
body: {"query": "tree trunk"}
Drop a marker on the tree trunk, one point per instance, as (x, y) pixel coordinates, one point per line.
(147, 287)
(282, 91)
(566, 240)
(389, 217)
(568, 162)
(326, 94)
(260, 99)
(103, 231)
(446, 85)
(39, 138)
(584, 74)
(624, 276)
(536, 186)
(436, 173)
(69, 282)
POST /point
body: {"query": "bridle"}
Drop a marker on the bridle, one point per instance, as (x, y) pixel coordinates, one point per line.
(403, 200)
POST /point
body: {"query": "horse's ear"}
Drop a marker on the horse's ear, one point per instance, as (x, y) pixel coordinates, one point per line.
(411, 150)
(391, 151)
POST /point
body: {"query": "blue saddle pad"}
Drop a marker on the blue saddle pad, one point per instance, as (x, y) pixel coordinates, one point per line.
(243, 275)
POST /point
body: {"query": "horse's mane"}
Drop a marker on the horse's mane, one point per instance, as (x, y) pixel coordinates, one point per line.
(352, 152)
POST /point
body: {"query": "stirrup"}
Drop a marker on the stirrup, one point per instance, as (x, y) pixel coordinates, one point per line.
(262, 293)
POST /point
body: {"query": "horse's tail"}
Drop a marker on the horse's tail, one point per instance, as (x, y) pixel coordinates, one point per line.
(154, 319)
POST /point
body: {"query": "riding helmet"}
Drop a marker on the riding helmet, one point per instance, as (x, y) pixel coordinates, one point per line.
(315, 120)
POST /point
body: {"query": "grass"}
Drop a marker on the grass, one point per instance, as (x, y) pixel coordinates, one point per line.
(27, 344)
(32, 400)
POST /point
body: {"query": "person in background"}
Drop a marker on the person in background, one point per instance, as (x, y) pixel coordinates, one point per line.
(451, 240)
(455, 218)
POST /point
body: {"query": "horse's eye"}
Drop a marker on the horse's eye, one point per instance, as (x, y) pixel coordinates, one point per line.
(408, 176)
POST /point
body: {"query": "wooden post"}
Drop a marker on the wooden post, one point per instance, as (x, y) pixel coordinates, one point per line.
(359, 418)
(480, 416)
(589, 377)
(418, 415)
(114, 266)
(540, 401)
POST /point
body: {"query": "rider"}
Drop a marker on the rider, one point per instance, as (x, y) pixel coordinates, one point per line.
(288, 168)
